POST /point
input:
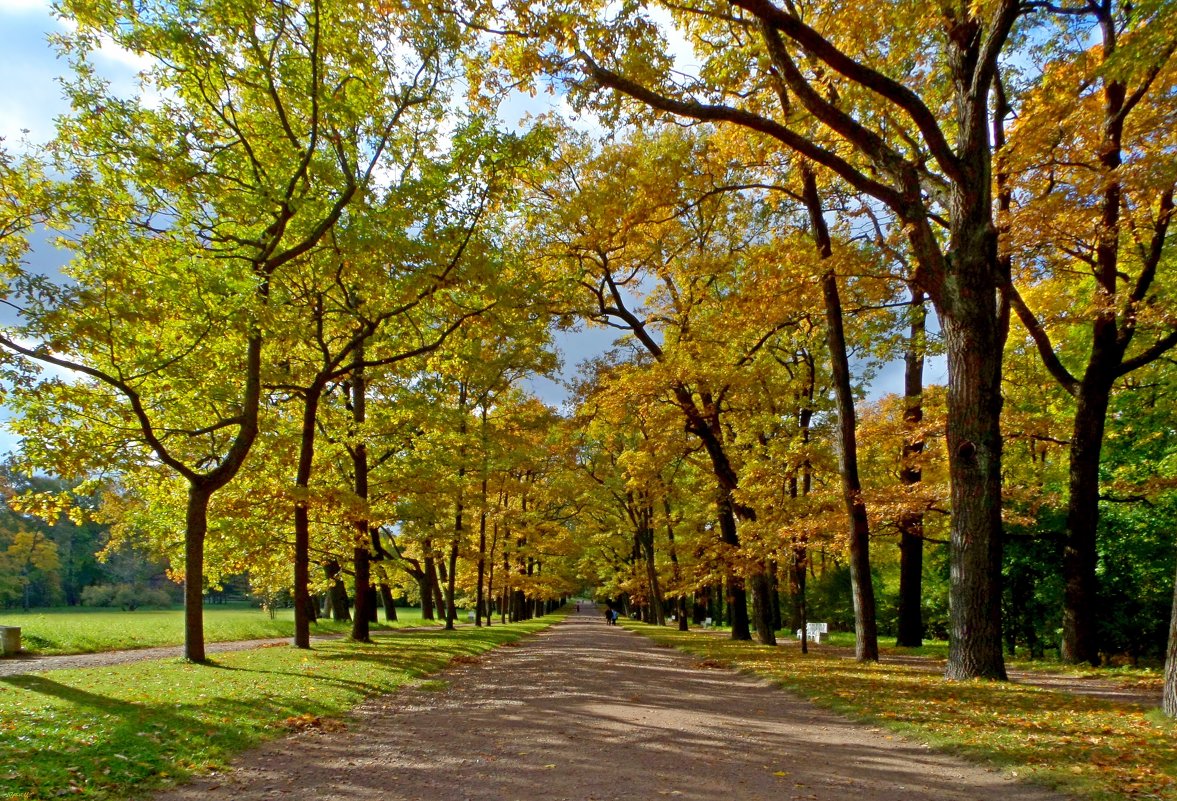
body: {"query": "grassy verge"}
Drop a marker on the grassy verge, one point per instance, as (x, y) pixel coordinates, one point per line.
(1091, 748)
(118, 732)
(85, 631)
(1144, 677)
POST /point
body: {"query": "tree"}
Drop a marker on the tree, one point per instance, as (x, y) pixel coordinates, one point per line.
(675, 263)
(1090, 211)
(256, 129)
(937, 173)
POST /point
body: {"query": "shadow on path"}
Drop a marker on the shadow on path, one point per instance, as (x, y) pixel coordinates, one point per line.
(593, 712)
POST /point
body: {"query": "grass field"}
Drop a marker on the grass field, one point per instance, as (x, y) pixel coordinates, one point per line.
(1091, 748)
(121, 731)
(81, 630)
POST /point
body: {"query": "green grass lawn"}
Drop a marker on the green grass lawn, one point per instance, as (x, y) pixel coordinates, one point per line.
(1091, 748)
(81, 630)
(120, 731)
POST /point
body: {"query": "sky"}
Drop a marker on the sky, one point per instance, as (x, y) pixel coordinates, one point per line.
(31, 97)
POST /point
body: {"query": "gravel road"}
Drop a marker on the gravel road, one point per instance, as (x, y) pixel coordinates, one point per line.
(595, 713)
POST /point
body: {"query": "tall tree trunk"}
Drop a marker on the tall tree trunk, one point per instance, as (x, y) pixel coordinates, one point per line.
(302, 523)
(196, 529)
(388, 602)
(866, 643)
(362, 556)
(451, 609)
(431, 575)
(200, 491)
(425, 587)
(1079, 642)
(459, 509)
(1169, 696)
(365, 608)
(340, 611)
(911, 523)
(646, 538)
(974, 343)
(480, 595)
(761, 582)
(680, 605)
(736, 595)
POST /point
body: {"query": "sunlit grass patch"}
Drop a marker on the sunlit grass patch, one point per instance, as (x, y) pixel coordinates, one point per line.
(83, 630)
(1085, 746)
(105, 732)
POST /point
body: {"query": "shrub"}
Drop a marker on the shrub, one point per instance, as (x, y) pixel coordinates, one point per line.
(125, 596)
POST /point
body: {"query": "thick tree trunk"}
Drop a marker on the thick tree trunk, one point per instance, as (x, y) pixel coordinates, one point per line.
(737, 597)
(340, 611)
(761, 583)
(1169, 697)
(1079, 643)
(911, 524)
(365, 608)
(425, 587)
(451, 609)
(430, 591)
(388, 602)
(196, 529)
(963, 282)
(974, 450)
(645, 537)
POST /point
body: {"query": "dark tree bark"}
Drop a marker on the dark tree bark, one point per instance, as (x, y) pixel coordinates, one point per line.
(196, 529)
(480, 594)
(735, 594)
(388, 602)
(1169, 695)
(365, 606)
(340, 605)
(911, 524)
(451, 611)
(866, 641)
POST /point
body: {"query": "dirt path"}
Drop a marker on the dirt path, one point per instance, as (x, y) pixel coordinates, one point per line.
(14, 665)
(1107, 689)
(590, 712)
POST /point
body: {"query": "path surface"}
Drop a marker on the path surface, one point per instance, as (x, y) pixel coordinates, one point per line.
(595, 713)
(1106, 689)
(25, 663)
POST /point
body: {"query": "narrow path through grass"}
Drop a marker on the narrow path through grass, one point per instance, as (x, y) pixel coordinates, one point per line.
(88, 631)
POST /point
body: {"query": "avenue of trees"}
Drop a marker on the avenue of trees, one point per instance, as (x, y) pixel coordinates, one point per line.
(309, 274)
